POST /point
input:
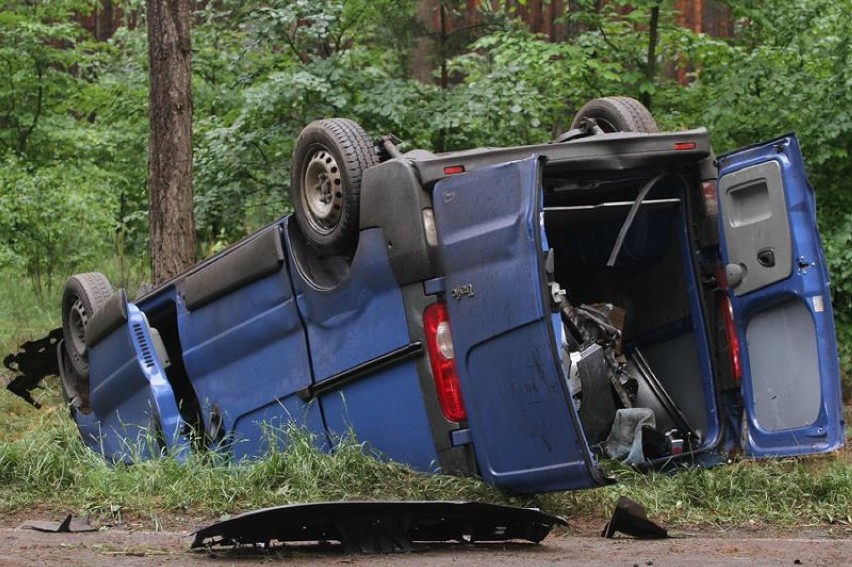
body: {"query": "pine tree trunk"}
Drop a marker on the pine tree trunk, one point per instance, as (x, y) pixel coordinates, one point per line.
(170, 145)
(422, 56)
(651, 63)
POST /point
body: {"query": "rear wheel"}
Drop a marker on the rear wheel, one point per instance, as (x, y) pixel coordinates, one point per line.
(83, 295)
(328, 161)
(616, 114)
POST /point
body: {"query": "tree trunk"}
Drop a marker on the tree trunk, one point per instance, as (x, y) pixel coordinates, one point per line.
(170, 145)
(651, 65)
(422, 56)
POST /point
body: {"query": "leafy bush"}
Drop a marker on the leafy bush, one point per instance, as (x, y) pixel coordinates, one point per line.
(54, 219)
(263, 70)
(838, 249)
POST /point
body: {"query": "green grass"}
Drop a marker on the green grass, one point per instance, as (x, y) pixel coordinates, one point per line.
(44, 464)
(25, 314)
(28, 312)
(814, 490)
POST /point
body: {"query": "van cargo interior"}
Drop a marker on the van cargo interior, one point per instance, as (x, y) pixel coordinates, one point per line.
(663, 352)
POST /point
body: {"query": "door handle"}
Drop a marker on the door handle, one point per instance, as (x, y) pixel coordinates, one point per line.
(766, 257)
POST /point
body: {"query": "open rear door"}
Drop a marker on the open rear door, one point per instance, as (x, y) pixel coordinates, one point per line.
(524, 427)
(778, 285)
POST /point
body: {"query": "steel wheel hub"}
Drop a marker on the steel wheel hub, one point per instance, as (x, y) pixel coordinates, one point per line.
(77, 320)
(323, 191)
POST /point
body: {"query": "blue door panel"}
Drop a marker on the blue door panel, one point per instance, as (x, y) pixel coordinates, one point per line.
(791, 375)
(359, 320)
(246, 357)
(134, 407)
(255, 432)
(387, 411)
(90, 433)
(525, 431)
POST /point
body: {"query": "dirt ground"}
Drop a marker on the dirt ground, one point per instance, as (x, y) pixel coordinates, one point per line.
(705, 547)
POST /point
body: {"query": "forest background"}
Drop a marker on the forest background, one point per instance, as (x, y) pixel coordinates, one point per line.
(441, 75)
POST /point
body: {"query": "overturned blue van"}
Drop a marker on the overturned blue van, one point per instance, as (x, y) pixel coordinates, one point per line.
(515, 313)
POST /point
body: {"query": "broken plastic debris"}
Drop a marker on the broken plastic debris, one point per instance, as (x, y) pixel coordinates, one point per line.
(631, 519)
(379, 527)
(69, 525)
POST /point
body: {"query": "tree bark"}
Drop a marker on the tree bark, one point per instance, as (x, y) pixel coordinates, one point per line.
(422, 60)
(651, 65)
(170, 145)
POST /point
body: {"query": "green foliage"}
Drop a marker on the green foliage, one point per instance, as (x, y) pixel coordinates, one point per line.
(792, 70)
(73, 112)
(618, 33)
(24, 314)
(283, 65)
(53, 219)
(39, 47)
(789, 70)
(72, 144)
(521, 88)
(838, 250)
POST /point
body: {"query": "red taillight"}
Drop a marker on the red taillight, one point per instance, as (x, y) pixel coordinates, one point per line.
(453, 169)
(439, 343)
(727, 310)
(685, 146)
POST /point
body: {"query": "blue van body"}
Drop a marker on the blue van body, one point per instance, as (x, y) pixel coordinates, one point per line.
(269, 333)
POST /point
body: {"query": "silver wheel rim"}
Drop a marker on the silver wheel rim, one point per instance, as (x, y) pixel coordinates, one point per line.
(323, 189)
(77, 320)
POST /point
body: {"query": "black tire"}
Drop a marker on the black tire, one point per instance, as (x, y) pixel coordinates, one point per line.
(325, 182)
(83, 295)
(617, 114)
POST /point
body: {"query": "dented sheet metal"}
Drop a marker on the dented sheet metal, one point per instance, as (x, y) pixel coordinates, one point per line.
(379, 527)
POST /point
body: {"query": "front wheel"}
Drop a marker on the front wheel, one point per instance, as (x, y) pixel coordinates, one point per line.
(616, 114)
(83, 295)
(328, 162)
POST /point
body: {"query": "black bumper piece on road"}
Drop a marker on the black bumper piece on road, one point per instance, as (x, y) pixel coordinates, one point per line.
(379, 527)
